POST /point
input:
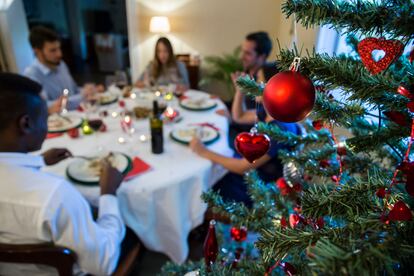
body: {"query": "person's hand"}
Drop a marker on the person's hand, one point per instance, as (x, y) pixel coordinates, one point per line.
(110, 178)
(197, 147)
(140, 84)
(88, 90)
(223, 112)
(55, 155)
(234, 76)
(56, 106)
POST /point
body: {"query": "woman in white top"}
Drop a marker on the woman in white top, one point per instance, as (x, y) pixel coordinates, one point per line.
(164, 69)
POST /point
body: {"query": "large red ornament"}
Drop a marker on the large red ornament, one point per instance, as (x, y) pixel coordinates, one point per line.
(400, 212)
(251, 145)
(392, 48)
(289, 96)
(238, 234)
(210, 245)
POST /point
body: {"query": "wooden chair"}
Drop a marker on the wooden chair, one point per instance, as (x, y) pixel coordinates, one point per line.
(61, 258)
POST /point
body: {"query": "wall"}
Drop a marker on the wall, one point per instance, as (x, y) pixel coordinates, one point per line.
(211, 27)
(13, 37)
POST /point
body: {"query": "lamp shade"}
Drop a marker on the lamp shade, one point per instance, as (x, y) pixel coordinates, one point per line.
(159, 24)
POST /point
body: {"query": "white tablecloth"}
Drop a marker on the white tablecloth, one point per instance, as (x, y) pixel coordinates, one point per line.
(164, 204)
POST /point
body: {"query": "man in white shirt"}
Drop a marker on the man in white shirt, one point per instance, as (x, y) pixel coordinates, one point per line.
(37, 207)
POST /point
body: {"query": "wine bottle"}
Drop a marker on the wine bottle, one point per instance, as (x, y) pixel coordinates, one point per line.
(210, 245)
(157, 139)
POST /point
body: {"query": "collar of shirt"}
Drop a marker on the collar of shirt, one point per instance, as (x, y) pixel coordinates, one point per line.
(22, 159)
(43, 68)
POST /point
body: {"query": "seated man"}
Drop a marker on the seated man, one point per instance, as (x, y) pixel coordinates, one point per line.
(256, 48)
(269, 167)
(51, 72)
(37, 207)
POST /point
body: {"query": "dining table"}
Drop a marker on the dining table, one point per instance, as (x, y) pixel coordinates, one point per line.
(163, 203)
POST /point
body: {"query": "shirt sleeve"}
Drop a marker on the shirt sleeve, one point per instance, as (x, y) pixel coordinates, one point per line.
(70, 222)
(183, 72)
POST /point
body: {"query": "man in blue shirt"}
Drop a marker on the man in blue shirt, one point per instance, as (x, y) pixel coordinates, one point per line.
(51, 72)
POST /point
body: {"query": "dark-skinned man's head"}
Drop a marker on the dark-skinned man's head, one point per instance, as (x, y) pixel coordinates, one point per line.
(23, 114)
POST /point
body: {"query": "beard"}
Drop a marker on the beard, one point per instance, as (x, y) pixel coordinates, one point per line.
(53, 63)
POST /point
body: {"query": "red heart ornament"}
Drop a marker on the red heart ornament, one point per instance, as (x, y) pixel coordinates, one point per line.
(252, 146)
(392, 48)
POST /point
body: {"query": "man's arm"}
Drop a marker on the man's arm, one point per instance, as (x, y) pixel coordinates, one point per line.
(97, 244)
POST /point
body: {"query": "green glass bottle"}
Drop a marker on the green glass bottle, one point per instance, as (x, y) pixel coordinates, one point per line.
(157, 139)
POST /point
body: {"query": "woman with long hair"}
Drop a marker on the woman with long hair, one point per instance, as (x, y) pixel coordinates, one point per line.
(164, 69)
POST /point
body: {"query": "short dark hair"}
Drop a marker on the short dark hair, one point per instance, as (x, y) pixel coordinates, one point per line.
(263, 42)
(18, 95)
(39, 35)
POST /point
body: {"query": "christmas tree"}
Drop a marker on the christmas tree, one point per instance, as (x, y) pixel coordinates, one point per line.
(344, 204)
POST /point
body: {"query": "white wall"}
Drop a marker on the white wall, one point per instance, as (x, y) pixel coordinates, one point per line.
(14, 36)
(209, 27)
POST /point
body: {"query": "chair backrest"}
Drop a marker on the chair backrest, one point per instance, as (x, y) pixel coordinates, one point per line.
(58, 257)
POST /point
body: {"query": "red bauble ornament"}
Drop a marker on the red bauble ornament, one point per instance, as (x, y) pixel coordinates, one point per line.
(251, 145)
(283, 222)
(121, 103)
(410, 106)
(392, 48)
(318, 124)
(289, 96)
(238, 234)
(288, 268)
(210, 244)
(381, 192)
(397, 117)
(324, 163)
(73, 133)
(400, 212)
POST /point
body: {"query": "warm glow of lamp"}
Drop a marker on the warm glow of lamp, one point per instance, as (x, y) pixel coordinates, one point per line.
(159, 24)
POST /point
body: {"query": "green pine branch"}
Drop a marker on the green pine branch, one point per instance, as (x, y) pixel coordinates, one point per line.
(395, 17)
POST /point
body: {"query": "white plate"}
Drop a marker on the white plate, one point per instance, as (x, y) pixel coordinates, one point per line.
(198, 104)
(196, 94)
(107, 98)
(185, 134)
(79, 169)
(62, 123)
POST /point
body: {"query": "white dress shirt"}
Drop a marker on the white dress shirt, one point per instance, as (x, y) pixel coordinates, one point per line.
(38, 207)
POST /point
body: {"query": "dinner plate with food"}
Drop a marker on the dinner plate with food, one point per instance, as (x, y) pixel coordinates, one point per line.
(107, 98)
(86, 170)
(184, 135)
(57, 123)
(198, 103)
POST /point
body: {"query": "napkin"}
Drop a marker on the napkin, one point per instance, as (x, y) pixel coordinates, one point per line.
(53, 135)
(138, 167)
(207, 125)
